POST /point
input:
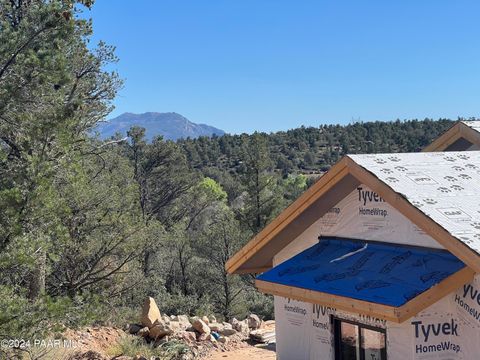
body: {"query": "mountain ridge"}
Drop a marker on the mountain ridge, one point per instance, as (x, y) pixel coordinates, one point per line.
(170, 125)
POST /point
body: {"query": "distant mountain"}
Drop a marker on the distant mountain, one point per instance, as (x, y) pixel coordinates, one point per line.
(171, 126)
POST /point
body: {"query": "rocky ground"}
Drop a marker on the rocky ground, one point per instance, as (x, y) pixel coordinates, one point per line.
(249, 351)
(159, 337)
(94, 339)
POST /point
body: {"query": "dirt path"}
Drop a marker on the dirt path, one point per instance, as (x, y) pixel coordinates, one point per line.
(259, 352)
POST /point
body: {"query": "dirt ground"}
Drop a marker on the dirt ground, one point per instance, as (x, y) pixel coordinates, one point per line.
(98, 340)
(258, 352)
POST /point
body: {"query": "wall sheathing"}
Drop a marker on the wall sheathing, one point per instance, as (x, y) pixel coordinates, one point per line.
(449, 329)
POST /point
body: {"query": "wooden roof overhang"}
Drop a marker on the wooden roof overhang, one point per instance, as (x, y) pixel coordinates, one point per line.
(390, 313)
(458, 138)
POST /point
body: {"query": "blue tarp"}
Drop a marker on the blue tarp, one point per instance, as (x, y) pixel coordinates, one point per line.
(376, 272)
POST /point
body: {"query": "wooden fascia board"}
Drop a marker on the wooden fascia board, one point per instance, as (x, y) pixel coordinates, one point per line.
(338, 302)
(446, 139)
(425, 223)
(324, 184)
(391, 313)
(435, 293)
(470, 134)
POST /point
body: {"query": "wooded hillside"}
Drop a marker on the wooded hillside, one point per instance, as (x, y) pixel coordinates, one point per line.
(312, 150)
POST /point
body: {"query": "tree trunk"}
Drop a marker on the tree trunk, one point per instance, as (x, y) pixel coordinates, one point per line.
(228, 301)
(146, 262)
(36, 286)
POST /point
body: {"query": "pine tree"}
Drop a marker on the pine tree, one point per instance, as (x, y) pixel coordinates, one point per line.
(262, 196)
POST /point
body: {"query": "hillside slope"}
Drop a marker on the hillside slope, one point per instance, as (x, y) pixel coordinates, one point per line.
(312, 150)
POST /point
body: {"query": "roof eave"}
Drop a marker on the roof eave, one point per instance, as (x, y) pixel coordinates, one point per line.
(458, 131)
(391, 313)
(446, 139)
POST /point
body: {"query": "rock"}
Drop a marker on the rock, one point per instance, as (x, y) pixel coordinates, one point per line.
(269, 323)
(240, 326)
(254, 322)
(183, 321)
(262, 335)
(227, 325)
(143, 332)
(205, 320)
(216, 327)
(188, 336)
(234, 322)
(160, 330)
(175, 325)
(134, 328)
(150, 313)
(223, 340)
(165, 318)
(139, 357)
(89, 355)
(181, 318)
(203, 337)
(187, 356)
(200, 326)
(212, 319)
(161, 341)
(228, 332)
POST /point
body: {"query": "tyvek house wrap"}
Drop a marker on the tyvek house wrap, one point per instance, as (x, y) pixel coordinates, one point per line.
(303, 329)
(447, 330)
(362, 214)
(444, 186)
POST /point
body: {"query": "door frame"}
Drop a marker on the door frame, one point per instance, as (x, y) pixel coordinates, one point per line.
(336, 326)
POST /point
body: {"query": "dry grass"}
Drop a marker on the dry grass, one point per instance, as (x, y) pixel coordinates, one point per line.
(131, 346)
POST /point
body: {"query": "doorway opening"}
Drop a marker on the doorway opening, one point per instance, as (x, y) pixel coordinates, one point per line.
(356, 341)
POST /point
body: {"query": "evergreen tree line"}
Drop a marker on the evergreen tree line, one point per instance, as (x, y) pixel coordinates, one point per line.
(312, 150)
